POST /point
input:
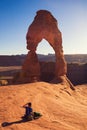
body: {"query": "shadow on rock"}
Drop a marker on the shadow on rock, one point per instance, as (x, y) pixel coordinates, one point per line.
(4, 124)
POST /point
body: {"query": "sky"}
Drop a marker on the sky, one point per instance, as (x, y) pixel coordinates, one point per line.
(17, 15)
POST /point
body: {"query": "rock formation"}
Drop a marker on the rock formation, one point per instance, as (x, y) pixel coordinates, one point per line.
(45, 27)
(31, 67)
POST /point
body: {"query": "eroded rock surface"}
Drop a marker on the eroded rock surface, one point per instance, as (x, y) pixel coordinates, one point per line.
(31, 66)
(45, 27)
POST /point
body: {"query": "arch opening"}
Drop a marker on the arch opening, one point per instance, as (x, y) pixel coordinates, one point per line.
(44, 48)
(46, 56)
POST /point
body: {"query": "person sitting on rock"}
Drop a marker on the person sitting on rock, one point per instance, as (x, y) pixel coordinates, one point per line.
(28, 111)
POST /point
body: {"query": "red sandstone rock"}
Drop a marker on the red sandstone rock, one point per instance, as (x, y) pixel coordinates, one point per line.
(45, 27)
(31, 65)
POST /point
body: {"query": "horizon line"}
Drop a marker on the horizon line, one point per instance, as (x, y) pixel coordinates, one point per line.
(42, 54)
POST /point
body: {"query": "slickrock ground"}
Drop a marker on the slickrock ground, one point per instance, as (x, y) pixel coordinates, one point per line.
(62, 108)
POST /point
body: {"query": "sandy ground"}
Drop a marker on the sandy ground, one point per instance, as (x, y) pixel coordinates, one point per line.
(61, 108)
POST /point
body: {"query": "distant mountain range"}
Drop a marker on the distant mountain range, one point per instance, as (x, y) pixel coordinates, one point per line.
(70, 58)
(11, 60)
(76, 67)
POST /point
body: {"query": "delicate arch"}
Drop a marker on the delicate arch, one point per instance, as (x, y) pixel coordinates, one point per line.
(45, 27)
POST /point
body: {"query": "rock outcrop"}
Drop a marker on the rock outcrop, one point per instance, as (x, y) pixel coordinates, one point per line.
(61, 109)
(45, 27)
(31, 67)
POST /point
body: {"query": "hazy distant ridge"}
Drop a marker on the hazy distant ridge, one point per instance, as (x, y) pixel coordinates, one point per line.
(6, 60)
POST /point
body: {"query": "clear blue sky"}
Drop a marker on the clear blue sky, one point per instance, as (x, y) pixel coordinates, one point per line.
(17, 15)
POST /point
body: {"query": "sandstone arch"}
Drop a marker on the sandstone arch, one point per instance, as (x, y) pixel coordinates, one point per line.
(45, 27)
